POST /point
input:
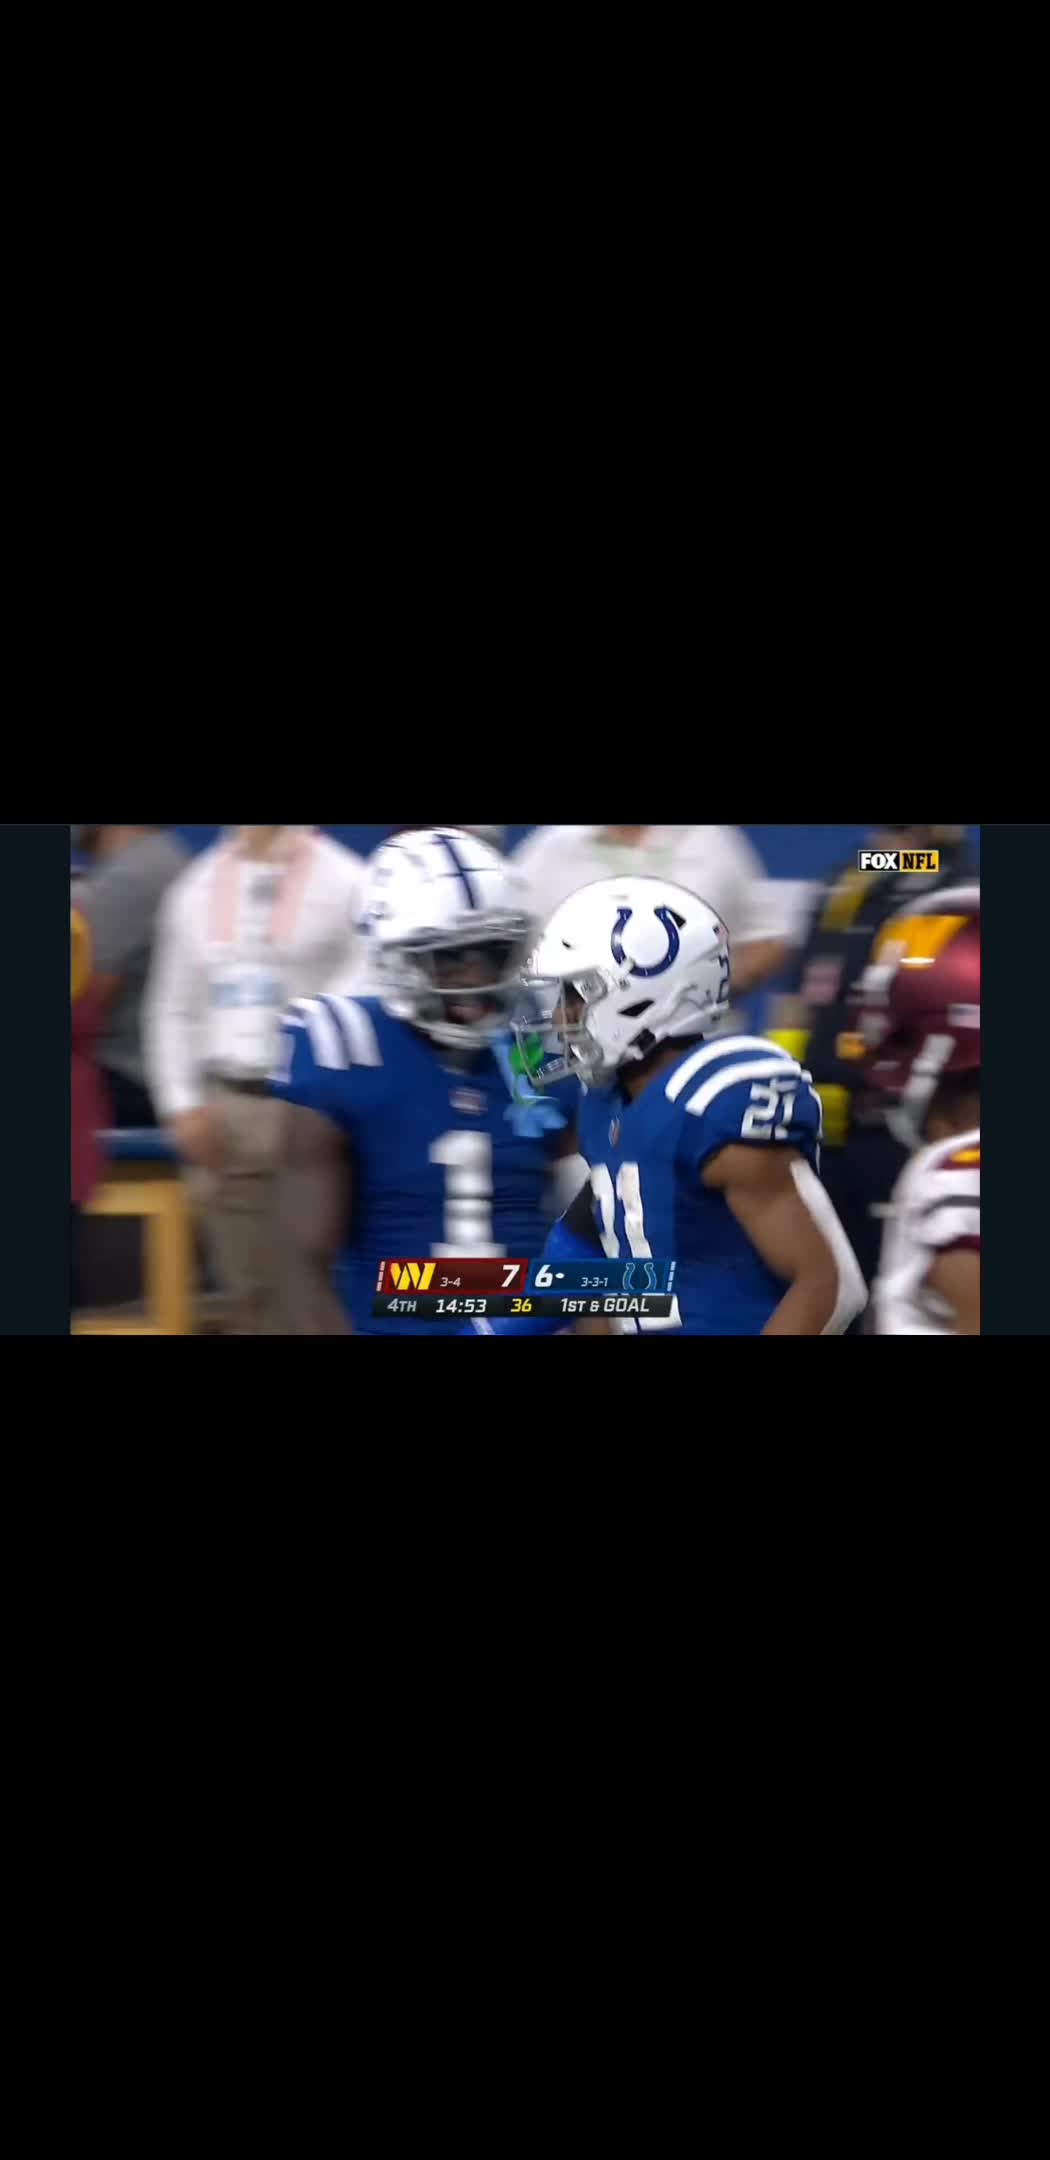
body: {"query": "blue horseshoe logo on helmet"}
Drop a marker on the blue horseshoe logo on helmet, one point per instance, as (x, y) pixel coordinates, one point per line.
(663, 915)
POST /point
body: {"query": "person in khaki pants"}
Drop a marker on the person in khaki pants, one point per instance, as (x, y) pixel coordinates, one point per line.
(265, 916)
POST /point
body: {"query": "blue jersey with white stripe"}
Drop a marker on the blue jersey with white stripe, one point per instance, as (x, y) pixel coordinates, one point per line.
(445, 1161)
(645, 1161)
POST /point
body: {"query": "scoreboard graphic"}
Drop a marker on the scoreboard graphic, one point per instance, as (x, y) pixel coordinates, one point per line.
(511, 1289)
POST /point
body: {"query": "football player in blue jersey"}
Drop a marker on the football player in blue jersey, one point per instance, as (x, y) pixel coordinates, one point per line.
(411, 1129)
(702, 1148)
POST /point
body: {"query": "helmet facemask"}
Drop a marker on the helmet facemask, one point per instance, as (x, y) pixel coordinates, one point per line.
(551, 1028)
(555, 1036)
(906, 1113)
(457, 986)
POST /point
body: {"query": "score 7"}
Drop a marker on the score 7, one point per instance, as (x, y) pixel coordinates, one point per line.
(509, 1272)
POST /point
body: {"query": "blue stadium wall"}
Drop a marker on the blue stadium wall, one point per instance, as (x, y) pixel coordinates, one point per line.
(788, 851)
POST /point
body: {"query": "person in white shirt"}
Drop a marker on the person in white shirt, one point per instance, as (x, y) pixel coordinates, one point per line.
(266, 915)
(714, 861)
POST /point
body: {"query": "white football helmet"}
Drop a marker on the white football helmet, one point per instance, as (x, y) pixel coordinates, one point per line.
(495, 835)
(445, 925)
(622, 965)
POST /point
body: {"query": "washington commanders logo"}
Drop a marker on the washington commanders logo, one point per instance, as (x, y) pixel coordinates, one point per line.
(664, 916)
(411, 1274)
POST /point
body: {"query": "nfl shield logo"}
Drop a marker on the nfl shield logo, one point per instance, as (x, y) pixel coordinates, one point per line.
(468, 1101)
(614, 1133)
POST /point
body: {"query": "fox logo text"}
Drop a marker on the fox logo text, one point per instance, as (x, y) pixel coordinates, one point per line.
(926, 859)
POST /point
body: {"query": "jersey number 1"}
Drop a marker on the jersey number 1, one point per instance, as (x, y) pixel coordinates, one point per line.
(466, 1158)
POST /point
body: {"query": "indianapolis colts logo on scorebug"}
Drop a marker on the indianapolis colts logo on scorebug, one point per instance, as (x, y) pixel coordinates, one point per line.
(664, 916)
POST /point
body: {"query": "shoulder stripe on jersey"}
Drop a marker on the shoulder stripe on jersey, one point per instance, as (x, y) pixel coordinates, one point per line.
(934, 1189)
(752, 1069)
(727, 1047)
(356, 1027)
(943, 1227)
(964, 1160)
(460, 869)
(325, 1040)
(970, 1199)
(331, 1005)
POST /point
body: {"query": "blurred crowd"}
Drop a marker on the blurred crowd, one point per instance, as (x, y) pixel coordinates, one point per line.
(182, 964)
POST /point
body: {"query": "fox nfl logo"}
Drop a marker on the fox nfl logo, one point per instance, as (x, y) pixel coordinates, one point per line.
(899, 859)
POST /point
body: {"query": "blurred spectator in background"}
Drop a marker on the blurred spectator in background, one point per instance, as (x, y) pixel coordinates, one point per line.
(714, 861)
(861, 1159)
(129, 870)
(264, 916)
